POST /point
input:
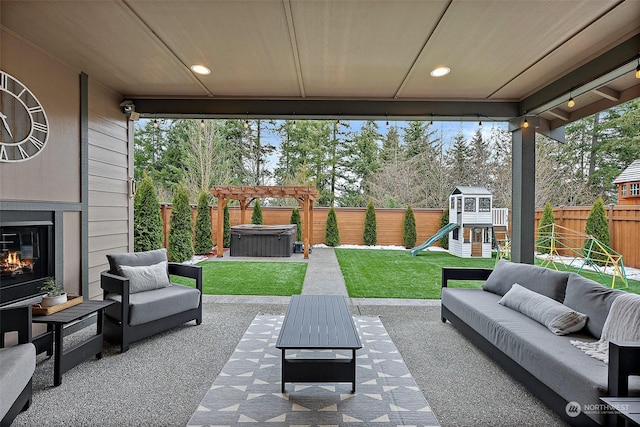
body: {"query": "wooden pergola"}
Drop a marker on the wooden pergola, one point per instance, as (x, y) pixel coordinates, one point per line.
(247, 194)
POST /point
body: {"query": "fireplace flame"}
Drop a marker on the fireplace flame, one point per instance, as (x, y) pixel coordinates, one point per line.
(13, 265)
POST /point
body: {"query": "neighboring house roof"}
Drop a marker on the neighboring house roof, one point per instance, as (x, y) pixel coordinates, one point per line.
(630, 174)
(472, 190)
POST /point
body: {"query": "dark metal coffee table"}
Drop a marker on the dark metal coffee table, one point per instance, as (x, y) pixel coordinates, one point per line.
(65, 360)
(318, 322)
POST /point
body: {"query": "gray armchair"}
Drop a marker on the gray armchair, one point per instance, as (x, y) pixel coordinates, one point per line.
(146, 302)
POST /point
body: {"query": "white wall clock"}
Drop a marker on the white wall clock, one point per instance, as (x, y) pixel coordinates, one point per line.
(24, 128)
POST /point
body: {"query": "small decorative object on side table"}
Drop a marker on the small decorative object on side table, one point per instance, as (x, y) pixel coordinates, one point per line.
(55, 292)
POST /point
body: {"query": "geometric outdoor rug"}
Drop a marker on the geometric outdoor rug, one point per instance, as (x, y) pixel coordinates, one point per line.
(247, 390)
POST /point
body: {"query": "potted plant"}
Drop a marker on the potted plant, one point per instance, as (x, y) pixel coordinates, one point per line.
(55, 293)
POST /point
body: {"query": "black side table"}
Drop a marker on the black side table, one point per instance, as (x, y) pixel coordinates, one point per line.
(628, 408)
(65, 360)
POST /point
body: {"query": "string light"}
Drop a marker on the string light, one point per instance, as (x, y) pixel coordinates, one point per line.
(571, 102)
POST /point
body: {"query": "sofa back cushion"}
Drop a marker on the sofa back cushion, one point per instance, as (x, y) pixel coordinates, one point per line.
(544, 281)
(135, 259)
(592, 299)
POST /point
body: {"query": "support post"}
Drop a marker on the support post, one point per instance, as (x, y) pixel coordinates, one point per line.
(311, 222)
(306, 228)
(523, 175)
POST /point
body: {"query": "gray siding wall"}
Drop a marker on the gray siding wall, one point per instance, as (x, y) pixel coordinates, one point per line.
(110, 166)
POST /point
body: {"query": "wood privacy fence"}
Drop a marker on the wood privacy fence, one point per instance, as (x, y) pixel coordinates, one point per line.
(624, 227)
(624, 224)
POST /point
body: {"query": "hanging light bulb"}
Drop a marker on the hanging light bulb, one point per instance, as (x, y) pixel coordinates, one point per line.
(246, 124)
(525, 124)
(155, 123)
(202, 123)
(638, 70)
(571, 102)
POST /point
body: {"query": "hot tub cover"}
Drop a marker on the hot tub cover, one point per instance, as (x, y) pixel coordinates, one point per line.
(270, 230)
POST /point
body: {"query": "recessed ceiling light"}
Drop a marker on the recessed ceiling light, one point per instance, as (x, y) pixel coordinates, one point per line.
(200, 69)
(440, 71)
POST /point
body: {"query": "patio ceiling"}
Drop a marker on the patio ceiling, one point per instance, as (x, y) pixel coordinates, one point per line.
(346, 59)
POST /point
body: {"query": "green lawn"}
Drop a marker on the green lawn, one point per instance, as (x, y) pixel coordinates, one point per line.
(396, 274)
(367, 273)
(249, 278)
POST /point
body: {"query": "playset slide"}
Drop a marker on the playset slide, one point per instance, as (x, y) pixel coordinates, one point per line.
(431, 240)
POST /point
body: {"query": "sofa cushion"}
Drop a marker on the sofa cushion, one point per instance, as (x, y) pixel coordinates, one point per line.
(544, 281)
(135, 259)
(146, 277)
(592, 299)
(17, 365)
(559, 318)
(155, 304)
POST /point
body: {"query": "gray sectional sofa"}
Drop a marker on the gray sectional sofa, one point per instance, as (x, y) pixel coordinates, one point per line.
(553, 369)
(17, 363)
(147, 302)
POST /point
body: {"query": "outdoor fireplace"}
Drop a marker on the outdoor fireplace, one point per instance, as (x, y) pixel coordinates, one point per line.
(26, 253)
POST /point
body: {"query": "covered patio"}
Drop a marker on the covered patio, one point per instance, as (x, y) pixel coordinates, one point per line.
(95, 68)
(110, 63)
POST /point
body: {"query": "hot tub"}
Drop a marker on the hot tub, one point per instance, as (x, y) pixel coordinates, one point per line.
(262, 240)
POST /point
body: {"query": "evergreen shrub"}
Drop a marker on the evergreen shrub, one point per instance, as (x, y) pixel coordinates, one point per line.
(203, 242)
(409, 233)
(295, 219)
(444, 220)
(227, 228)
(598, 227)
(369, 236)
(331, 233)
(180, 232)
(543, 243)
(147, 221)
(256, 216)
